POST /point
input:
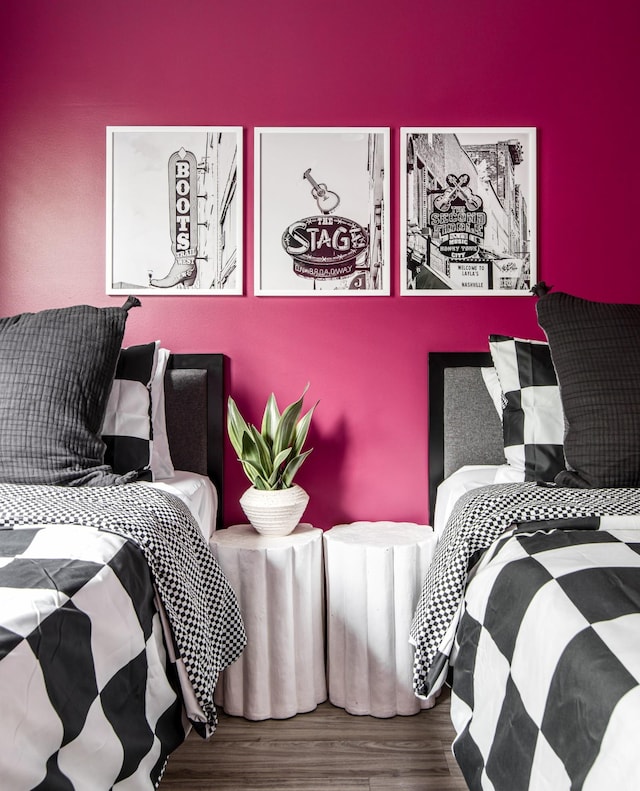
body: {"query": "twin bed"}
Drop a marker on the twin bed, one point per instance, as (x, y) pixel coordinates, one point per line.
(115, 618)
(531, 608)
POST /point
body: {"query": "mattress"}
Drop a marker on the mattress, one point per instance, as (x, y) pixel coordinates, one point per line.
(198, 493)
(465, 480)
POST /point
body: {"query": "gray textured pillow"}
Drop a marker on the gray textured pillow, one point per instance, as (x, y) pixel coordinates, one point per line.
(595, 347)
(56, 370)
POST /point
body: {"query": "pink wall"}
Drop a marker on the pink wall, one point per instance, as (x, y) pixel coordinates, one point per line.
(70, 68)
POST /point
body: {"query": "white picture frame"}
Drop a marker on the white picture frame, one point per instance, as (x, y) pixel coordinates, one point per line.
(468, 215)
(321, 219)
(174, 210)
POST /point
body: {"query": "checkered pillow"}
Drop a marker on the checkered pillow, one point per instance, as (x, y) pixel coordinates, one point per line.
(127, 430)
(134, 428)
(532, 417)
(161, 461)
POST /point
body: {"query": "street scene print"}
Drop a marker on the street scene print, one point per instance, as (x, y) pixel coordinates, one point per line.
(468, 211)
(174, 210)
(321, 225)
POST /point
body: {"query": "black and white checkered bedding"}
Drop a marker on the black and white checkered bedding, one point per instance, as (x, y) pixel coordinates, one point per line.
(87, 576)
(479, 517)
(546, 681)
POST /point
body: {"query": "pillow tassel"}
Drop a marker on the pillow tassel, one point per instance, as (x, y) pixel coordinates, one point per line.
(132, 302)
(541, 289)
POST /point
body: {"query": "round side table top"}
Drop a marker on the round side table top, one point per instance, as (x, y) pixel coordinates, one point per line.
(246, 537)
(380, 534)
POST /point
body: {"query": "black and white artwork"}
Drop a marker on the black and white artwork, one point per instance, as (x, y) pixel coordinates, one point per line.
(174, 210)
(468, 211)
(321, 211)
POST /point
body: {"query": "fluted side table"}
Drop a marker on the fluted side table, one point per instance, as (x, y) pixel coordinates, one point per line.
(374, 573)
(279, 582)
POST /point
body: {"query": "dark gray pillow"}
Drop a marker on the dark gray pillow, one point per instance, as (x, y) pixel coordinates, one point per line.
(595, 347)
(56, 369)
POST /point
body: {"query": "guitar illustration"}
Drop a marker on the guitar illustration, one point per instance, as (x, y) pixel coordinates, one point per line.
(326, 199)
(458, 188)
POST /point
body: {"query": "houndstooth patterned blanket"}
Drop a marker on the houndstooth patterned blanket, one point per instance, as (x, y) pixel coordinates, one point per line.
(478, 519)
(201, 607)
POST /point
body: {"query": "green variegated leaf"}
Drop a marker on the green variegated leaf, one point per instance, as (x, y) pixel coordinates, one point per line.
(236, 426)
(281, 458)
(250, 451)
(264, 452)
(285, 433)
(275, 479)
(270, 420)
(302, 429)
(254, 475)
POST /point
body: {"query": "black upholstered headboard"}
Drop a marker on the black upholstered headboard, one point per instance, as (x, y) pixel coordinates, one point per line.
(464, 427)
(195, 414)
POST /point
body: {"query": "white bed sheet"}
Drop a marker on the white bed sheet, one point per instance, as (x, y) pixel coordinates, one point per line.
(198, 493)
(464, 480)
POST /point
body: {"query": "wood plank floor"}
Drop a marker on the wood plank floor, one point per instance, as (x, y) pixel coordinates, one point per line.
(324, 750)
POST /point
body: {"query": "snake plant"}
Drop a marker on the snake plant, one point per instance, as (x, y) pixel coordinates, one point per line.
(272, 456)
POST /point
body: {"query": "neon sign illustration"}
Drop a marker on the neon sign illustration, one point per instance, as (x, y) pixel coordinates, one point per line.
(324, 246)
(183, 220)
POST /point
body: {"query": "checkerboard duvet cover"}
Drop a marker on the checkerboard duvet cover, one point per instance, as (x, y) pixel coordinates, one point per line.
(99, 589)
(544, 638)
(546, 685)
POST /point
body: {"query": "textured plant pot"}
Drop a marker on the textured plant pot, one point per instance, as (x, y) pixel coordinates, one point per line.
(274, 512)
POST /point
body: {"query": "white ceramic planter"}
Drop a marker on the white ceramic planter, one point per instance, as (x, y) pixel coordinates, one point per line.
(274, 512)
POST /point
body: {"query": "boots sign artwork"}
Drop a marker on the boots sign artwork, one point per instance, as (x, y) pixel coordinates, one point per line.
(341, 248)
(183, 221)
(174, 210)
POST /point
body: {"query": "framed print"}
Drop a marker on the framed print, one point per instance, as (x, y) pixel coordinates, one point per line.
(468, 211)
(321, 211)
(174, 210)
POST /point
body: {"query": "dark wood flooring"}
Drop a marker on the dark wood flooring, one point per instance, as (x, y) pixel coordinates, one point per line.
(324, 750)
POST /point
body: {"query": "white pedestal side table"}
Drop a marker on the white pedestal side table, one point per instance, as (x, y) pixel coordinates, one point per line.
(374, 574)
(279, 582)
